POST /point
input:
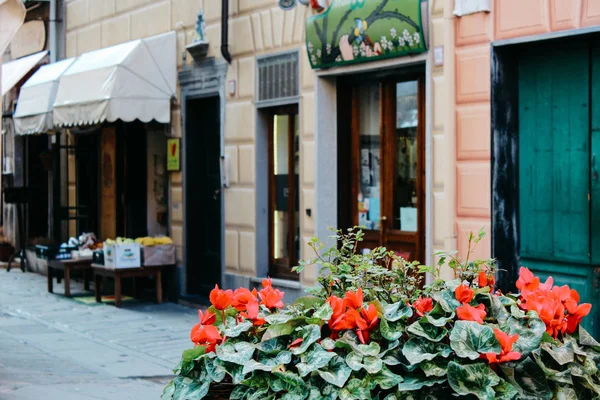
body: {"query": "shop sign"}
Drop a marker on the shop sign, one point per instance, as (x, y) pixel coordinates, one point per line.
(29, 39)
(173, 154)
(355, 31)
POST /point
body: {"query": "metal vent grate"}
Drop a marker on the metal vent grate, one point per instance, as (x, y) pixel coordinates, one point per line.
(278, 77)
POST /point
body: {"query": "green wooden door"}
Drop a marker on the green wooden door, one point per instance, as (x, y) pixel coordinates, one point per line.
(555, 179)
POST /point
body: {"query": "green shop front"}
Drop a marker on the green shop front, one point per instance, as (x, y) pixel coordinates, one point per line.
(370, 59)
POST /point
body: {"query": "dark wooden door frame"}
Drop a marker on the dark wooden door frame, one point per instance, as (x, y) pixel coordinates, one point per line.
(387, 235)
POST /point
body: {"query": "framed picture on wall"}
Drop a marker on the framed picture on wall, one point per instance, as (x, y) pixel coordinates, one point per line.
(174, 154)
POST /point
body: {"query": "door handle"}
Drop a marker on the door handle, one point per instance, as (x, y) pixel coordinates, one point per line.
(216, 194)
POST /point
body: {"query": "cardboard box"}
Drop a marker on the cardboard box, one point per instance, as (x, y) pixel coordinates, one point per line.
(162, 254)
(122, 255)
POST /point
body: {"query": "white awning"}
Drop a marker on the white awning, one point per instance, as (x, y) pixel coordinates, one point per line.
(36, 99)
(129, 81)
(14, 71)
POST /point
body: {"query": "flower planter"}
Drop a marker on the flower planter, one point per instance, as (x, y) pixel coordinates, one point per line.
(369, 330)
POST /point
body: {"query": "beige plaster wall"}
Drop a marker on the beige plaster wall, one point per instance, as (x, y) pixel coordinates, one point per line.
(473, 34)
(256, 27)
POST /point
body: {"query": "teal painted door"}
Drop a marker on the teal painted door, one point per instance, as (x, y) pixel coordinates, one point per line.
(557, 179)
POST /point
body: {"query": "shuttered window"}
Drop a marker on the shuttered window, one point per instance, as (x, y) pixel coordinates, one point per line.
(278, 78)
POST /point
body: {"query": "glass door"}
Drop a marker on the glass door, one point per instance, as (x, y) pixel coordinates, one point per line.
(388, 165)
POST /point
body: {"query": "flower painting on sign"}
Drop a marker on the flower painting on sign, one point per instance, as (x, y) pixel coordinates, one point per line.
(352, 31)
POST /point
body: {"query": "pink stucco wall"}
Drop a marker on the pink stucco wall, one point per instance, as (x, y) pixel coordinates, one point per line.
(473, 34)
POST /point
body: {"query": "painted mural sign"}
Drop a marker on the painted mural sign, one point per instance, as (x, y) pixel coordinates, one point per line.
(354, 31)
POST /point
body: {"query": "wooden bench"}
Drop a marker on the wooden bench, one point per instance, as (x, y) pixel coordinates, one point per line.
(67, 266)
(119, 273)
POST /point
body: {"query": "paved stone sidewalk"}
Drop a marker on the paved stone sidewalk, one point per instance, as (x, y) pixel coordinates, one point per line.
(52, 347)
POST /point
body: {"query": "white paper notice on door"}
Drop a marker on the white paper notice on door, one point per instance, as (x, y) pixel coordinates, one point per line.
(408, 219)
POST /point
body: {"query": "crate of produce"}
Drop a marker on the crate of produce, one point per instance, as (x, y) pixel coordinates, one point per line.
(160, 254)
(125, 254)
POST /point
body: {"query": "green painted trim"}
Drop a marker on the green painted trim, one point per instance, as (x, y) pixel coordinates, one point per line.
(399, 20)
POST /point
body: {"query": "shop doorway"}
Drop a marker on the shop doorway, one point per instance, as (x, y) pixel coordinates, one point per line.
(202, 195)
(381, 156)
(559, 165)
(39, 163)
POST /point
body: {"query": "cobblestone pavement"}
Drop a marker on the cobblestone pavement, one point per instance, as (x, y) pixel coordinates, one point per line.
(52, 347)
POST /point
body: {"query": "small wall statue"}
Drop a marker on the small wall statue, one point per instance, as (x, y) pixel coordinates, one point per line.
(200, 26)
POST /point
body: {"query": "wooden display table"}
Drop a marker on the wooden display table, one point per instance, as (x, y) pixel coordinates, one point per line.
(67, 266)
(101, 271)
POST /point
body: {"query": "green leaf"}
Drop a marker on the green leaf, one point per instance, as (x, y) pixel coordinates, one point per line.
(168, 391)
(505, 391)
(370, 364)
(389, 331)
(565, 393)
(238, 353)
(273, 346)
(530, 330)
(310, 334)
(473, 379)
(417, 350)
(397, 311)
(411, 383)
(439, 322)
(279, 318)
(497, 308)
(316, 358)
(307, 302)
(385, 378)
(234, 329)
(266, 363)
(234, 370)
(354, 361)
(428, 331)
(355, 390)
(528, 378)
(563, 377)
(350, 339)
(470, 339)
(437, 367)
(324, 312)
(447, 300)
(186, 388)
(282, 329)
(338, 372)
(328, 343)
(561, 354)
(585, 339)
(193, 354)
(215, 372)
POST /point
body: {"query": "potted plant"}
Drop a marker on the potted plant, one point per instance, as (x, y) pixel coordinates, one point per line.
(370, 330)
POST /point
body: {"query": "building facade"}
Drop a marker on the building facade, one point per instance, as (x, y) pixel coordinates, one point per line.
(241, 215)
